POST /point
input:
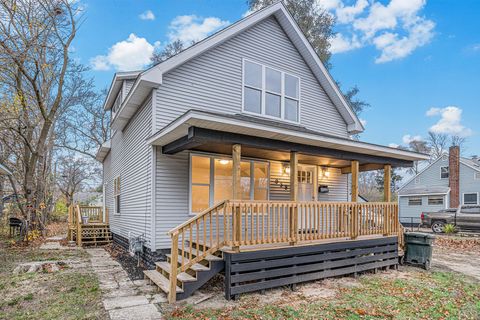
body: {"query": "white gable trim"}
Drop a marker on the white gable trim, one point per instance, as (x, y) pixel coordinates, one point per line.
(153, 77)
(431, 164)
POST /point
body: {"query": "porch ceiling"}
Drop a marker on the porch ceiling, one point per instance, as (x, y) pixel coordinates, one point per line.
(213, 132)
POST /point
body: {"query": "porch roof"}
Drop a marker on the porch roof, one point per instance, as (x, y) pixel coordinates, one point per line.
(216, 132)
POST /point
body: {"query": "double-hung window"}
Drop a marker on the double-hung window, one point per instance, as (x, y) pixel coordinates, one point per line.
(270, 92)
(470, 198)
(116, 194)
(444, 172)
(211, 180)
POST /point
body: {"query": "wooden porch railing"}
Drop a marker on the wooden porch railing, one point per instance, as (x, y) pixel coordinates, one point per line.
(75, 214)
(237, 223)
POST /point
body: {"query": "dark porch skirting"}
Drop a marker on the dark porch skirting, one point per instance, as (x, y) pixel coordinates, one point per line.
(259, 270)
(147, 257)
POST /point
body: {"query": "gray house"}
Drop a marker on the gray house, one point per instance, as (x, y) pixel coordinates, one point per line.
(242, 139)
(449, 181)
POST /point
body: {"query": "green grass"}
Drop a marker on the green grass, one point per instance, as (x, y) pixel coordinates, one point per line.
(436, 295)
(65, 294)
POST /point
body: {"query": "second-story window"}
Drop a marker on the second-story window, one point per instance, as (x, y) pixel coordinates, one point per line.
(444, 172)
(270, 92)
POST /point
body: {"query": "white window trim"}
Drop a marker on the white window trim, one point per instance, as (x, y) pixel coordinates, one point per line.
(212, 176)
(441, 172)
(415, 205)
(436, 204)
(264, 91)
(115, 195)
(469, 204)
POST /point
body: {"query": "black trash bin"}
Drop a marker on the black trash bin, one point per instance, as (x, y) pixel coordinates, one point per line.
(419, 248)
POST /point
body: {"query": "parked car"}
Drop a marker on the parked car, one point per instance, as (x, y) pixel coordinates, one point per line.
(464, 218)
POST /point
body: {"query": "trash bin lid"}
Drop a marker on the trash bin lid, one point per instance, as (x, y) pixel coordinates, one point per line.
(420, 235)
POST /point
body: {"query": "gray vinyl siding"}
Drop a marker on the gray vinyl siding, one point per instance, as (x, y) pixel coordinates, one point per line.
(407, 212)
(431, 176)
(107, 183)
(337, 183)
(468, 183)
(213, 80)
(172, 191)
(172, 194)
(127, 85)
(130, 158)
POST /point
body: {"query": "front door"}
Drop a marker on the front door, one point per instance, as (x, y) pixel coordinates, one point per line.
(306, 183)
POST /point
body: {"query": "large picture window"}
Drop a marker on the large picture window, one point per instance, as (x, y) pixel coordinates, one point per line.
(271, 93)
(211, 180)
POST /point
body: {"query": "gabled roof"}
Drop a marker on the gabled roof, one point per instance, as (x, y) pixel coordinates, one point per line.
(116, 86)
(152, 77)
(468, 162)
(103, 151)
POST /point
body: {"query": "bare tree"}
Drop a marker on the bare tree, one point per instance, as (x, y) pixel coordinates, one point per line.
(72, 173)
(418, 146)
(438, 144)
(168, 51)
(84, 127)
(35, 41)
(458, 141)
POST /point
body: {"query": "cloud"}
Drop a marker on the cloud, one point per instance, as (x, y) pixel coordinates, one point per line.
(476, 47)
(190, 28)
(147, 15)
(131, 54)
(363, 122)
(395, 29)
(340, 43)
(449, 122)
(406, 139)
(393, 145)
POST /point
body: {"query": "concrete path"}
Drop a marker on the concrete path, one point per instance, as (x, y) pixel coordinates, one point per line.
(122, 298)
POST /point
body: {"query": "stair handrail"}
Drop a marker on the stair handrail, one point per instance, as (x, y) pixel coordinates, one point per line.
(188, 225)
(196, 217)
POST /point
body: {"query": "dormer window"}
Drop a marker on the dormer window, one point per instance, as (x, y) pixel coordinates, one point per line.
(271, 93)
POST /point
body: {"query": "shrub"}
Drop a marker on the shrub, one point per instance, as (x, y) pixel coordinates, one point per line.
(449, 229)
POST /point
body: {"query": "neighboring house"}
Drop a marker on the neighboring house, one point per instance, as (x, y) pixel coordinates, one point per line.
(91, 198)
(447, 182)
(227, 119)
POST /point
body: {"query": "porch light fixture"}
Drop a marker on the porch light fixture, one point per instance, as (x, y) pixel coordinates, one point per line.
(224, 161)
(325, 173)
(286, 169)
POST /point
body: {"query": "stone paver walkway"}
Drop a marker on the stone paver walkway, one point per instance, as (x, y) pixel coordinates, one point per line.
(123, 298)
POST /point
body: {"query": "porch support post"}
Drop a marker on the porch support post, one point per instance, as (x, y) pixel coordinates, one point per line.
(355, 169)
(293, 223)
(236, 157)
(387, 177)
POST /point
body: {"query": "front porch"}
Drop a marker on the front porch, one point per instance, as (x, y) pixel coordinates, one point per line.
(234, 217)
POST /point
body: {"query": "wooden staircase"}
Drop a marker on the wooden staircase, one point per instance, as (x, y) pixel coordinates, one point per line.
(95, 232)
(190, 280)
(195, 255)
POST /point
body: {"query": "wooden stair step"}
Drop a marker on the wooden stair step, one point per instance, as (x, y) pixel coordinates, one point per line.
(160, 280)
(182, 277)
(209, 257)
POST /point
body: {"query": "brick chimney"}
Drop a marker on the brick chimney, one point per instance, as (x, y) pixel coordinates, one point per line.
(454, 176)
